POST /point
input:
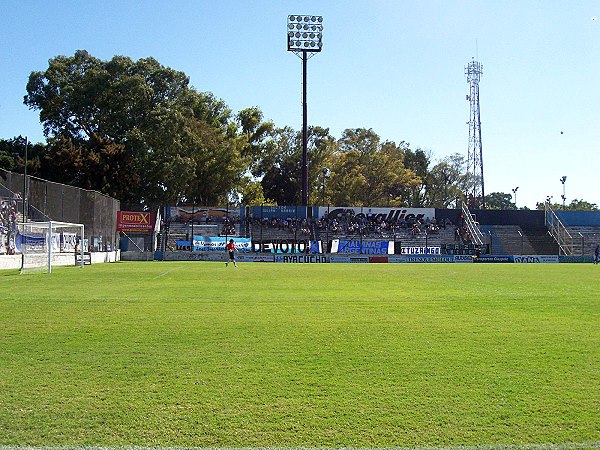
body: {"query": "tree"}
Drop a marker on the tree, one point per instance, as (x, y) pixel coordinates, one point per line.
(417, 161)
(176, 143)
(12, 155)
(365, 171)
(499, 200)
(575, 205)
(280, 166)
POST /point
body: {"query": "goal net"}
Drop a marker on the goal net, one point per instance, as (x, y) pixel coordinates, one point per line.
(44, 244)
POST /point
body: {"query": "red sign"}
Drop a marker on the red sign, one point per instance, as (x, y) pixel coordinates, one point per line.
(131, 222)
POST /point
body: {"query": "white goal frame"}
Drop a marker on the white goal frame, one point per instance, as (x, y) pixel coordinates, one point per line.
(48, 228)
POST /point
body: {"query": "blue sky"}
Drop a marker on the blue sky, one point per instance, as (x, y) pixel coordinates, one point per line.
(394, 66)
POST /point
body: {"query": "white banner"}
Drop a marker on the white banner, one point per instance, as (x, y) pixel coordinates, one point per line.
(529, 259)
(69, 240)
(430, 259)
(421, 250)
(389, 214)
(463, 258)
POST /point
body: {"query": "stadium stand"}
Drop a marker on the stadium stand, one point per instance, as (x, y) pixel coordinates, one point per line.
(585, 239)
(8, 221)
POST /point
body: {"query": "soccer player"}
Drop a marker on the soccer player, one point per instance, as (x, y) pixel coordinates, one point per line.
(230, 247)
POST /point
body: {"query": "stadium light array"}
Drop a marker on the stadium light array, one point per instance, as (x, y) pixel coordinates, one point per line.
(304, 33)
(304, 37)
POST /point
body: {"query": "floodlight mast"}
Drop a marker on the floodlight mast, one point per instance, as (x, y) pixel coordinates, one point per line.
(304, 37)
(473, 72)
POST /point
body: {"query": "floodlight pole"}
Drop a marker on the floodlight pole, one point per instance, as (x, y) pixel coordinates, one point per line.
(25, 182)
(304, 133)
(304, 36)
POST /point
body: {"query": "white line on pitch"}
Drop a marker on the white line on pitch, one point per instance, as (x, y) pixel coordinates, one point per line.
(162, 274)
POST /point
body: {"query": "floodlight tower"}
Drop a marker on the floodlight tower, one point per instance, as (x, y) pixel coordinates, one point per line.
(304, 37)
(473, 72)
(563, 196)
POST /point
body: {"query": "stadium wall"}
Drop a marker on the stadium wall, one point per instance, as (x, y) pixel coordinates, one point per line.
(579, 218)
(61, 259)
(532, 218)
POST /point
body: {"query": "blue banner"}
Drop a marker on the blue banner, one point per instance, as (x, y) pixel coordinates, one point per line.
(368, 247)
(217, 244)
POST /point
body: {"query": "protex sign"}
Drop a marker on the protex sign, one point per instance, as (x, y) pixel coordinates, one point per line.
(131, 222)
(529, 259)
(300, 259)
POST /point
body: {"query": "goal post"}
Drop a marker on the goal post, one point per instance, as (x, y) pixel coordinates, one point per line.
(44, 244)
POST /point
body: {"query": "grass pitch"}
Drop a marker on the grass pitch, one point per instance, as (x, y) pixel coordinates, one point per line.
(196, 354)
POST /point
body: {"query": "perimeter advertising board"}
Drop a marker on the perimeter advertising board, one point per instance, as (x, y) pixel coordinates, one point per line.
(135, 222)
(532, 259)
(365, 247)
(210, 214)
(388, 214)
(301, 259)
(493, 259)
(215, 244)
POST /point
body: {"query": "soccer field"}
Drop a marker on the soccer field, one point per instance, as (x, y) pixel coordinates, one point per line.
(352, 355)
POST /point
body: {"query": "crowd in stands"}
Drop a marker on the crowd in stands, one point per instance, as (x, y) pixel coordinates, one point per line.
(369, 224)
(8, 225)
(350, 223)
(299, 225)
(462, 234)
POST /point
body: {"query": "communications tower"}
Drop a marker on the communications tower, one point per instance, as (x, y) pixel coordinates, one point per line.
(476, 192)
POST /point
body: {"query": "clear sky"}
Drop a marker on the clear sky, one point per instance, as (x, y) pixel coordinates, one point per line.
(394, 66)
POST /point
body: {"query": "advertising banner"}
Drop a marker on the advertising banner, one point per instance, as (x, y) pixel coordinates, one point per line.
(201, 213)
(343, 246)
(286, 246)
(245, 257)
(429, 259)
(301, 259)
(493, 259)
(421, 250)
(279, 212)
(217, 244)
(135, 222)
(532, 259)
(396, 259)
(379, 214)
(378, 259)
(348, 259)
(463, 258)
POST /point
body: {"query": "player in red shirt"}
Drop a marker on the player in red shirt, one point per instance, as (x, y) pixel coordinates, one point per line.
(230, 247)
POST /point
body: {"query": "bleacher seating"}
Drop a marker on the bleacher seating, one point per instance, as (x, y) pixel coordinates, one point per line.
(585, 239)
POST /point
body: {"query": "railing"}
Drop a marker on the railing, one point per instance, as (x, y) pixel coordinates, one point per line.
(472, 226)
(558, 231)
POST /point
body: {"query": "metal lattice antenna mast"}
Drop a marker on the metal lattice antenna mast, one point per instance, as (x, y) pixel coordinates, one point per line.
(473, 72)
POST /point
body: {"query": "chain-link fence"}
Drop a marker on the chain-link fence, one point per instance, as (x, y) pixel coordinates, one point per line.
(44, 200)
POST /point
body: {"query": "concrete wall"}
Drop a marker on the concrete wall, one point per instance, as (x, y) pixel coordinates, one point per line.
(14, 261)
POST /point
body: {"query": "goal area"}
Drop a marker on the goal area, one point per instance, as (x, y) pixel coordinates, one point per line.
(44, 244)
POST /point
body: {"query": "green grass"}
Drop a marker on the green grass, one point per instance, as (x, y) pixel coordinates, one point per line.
(194, 354)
